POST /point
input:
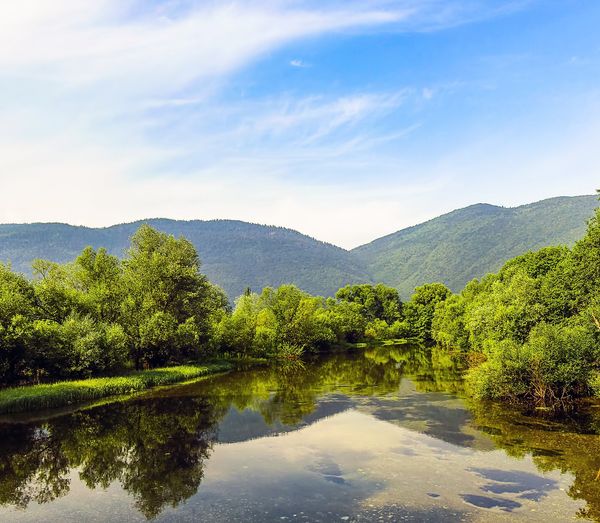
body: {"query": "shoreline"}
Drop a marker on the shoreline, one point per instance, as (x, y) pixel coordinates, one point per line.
(32, 398)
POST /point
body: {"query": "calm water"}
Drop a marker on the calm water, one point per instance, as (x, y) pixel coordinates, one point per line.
(379, 435)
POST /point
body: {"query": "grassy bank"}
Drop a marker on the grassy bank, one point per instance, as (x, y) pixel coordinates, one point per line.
(39, 397)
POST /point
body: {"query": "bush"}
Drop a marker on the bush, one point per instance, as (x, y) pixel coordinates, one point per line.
(554, 367)
(381, 330)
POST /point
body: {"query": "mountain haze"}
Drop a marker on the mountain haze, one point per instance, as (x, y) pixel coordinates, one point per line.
(452, 248)
(471, 242)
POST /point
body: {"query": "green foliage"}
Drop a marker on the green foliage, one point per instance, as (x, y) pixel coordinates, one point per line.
(531, 330)
(260, 325)
(419, 311)
(97, 314)
(382, 330)
(346, 320)
(448, 324)
(169, 305)
(379, 307)
(551, 369)
(38, 397)
(77, 347)
(471, 242)
(377, 302)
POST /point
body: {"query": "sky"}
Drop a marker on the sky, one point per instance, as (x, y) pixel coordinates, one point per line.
(343, 119)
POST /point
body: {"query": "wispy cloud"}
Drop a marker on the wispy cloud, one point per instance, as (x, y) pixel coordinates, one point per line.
(119, 109)
(298, 63)
(310, 119)
(152, 50)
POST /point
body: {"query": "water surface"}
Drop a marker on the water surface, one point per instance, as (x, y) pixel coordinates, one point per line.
(376, 435)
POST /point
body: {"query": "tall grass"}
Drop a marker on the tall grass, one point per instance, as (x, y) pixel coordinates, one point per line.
(39, 397)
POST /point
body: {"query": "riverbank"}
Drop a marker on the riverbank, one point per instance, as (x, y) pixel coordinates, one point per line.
(64, 393)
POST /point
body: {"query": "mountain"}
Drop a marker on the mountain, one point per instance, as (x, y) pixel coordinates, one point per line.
(470, 242)
(234, 254)
(453, 248)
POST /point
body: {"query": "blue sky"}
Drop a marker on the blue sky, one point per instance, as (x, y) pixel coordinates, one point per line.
(345, 120)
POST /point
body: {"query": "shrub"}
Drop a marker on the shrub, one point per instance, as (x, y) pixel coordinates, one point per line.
(554, 367)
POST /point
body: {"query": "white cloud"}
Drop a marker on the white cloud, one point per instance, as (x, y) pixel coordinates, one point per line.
(310, 120)
(92, 131)
(111, 111)
(158, 50)
(298, 63)
(428, 93)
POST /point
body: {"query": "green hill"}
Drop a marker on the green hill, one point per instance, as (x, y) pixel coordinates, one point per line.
(452, 248)
(470, 242)
(234, 254)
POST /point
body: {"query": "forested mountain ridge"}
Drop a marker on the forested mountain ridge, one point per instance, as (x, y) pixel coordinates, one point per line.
(471, 242)
(453, 248)
(234, 254)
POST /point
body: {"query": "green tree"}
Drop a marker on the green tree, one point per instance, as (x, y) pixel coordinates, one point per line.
(377, 301)
(99, 279)
(169, 307)
(17, 313)
(419, 311)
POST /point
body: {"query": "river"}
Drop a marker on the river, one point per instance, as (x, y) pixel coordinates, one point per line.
(380, 434)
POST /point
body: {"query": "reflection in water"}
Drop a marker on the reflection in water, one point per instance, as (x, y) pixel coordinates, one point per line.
(155, 450)
(377, 433)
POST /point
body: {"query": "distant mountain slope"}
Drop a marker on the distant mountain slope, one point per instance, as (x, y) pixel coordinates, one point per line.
(234, 254)
(470, 242)
(453, 248)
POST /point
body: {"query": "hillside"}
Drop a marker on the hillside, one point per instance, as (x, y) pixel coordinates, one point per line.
(470, 242)
(234, 254)
(452, 248)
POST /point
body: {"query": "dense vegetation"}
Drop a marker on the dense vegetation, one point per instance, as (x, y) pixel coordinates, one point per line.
(531, 332)
(453, 248)
(469, 243)
(99, 315)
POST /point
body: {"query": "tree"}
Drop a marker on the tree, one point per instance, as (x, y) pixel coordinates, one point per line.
(169, 307)
(377, 301)
(99, 278)
(346, 320)
(448, 325)
(419, 311)
(17, 313)
(585, 270)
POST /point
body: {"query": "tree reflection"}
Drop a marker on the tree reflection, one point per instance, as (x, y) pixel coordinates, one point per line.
(32, 467)
(571, 446)
(156, 447)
